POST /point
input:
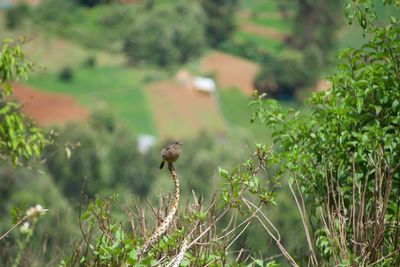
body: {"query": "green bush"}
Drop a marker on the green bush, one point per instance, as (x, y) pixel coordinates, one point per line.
(66, 74)
(166, 36)
(343, 158)
(92, 3)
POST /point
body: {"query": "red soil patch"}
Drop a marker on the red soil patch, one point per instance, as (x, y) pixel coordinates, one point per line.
(48, 108)
(262, 31)
(181, 111)
(231, 71)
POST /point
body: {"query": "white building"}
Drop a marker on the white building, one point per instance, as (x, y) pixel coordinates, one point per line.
(203, 84)
(145, 142)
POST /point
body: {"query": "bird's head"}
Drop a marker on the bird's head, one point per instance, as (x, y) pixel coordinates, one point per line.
(178, 143)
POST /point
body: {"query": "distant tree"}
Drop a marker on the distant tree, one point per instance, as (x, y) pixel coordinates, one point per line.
(166, 36)
(105, 154)
(16, 15)
(283, 74)
(220, 19)
(92, 3)
(316, 22)
(313, 40)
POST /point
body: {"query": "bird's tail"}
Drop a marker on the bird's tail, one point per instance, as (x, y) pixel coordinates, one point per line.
(162, 164)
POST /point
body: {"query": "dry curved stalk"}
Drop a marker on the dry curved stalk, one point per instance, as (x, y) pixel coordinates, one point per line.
(159, 232)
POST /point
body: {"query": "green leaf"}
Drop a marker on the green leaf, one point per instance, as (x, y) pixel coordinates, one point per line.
(223, 173)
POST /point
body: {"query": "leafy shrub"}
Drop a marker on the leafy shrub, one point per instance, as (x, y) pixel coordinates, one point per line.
(92, 3)
(66, 74)
(20, 139)
(343, 158)
(90, 62)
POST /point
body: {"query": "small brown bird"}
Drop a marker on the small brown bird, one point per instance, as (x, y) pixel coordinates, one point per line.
(171, 153)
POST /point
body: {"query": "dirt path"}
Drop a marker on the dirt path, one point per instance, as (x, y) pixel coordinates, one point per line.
(47, 108)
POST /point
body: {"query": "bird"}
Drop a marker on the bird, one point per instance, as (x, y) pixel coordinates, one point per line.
(170, 153)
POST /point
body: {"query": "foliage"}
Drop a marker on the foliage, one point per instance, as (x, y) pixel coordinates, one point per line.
(220, 19)
(283, 74)
(21, 188)
(249, 49)
(91, 3)
(98, 152)
(315, 23)
(60, 13)
(239, 118)
(204, 153)
(343, 158)
(166, 36)
(107, 241)
(15, 16)
(102, 26)
(66, 74)
(20, 139)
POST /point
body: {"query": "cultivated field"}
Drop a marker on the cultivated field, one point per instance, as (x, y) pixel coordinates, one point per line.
(181, 112)
(48, 109)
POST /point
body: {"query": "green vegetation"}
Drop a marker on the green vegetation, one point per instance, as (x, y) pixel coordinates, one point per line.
(320, 186)
(290, 71)
(316, 23)
(20, 139)
(298, 68)
(102, 26)
(91, 3)
(268, 45)
(256, 6)
(166, 36)
(265, 15)
(280, 24)
(97, 151)
(21, 142)
(239, 119)
(342, 158)
(220, 20)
